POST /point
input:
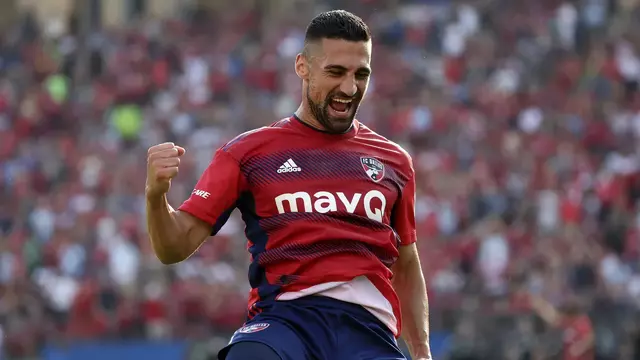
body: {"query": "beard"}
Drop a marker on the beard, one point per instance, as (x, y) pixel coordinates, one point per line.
(332, 124)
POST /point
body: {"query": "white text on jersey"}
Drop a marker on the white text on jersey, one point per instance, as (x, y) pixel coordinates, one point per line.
(325, 202)
(203, 194)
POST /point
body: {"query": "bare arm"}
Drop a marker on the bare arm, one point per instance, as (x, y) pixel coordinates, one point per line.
(546, 311)
(409, 284)
(175, 235)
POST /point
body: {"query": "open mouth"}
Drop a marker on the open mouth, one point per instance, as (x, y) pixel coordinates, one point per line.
(340, 107)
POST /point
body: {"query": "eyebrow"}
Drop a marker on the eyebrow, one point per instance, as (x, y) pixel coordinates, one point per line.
(342, 68)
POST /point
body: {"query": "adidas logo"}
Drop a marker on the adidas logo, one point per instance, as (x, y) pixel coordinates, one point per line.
(289, 166)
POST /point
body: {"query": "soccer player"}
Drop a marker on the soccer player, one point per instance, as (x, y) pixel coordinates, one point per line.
(329, 212)
(578, 336)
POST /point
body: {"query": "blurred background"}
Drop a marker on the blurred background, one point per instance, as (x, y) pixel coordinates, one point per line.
(522, 117)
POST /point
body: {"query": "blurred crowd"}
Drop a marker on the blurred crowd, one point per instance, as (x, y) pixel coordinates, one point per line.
(522, 117)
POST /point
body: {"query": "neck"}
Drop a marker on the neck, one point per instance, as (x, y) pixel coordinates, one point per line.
(306, 117)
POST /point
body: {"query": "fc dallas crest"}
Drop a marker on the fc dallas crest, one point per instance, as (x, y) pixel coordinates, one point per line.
(373, 168)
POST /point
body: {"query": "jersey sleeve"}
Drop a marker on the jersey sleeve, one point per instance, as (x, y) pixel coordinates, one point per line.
(216, 193)
(404, 215)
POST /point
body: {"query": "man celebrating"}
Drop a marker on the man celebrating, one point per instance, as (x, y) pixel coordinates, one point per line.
(329, 212)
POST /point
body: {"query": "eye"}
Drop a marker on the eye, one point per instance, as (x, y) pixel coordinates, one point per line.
(335, 73)
(362, 76)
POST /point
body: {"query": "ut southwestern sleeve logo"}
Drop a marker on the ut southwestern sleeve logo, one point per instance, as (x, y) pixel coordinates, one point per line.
(248, 329)
(373, 167)
(201, 193)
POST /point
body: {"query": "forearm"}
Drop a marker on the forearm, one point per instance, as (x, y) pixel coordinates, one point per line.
(411, 289)
(164, 230)
(546, 311)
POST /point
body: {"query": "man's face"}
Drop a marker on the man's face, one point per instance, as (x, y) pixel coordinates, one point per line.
(337, 76)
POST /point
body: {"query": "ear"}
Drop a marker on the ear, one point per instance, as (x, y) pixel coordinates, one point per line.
(302, 67)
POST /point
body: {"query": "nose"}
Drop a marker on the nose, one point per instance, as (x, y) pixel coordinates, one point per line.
(349, 86)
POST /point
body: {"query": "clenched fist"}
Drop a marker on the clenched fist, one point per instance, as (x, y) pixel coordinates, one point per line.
(163, 161)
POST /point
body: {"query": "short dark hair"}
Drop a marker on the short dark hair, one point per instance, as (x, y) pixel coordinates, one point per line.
(339, 25)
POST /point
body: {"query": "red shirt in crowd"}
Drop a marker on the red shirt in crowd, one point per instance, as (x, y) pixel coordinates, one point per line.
(576, 330)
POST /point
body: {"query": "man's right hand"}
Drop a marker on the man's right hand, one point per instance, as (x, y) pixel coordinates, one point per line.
(163, 161)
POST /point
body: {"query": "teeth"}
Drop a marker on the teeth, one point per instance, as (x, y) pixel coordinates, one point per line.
(342, 101)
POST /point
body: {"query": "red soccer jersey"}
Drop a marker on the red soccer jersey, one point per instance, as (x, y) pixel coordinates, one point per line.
(324, 213)
(575, 331)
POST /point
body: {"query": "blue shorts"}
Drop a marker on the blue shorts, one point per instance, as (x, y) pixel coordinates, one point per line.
(319, 328)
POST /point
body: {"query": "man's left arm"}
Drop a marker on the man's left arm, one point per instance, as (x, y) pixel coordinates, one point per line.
(409, 284)
(408, 280)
